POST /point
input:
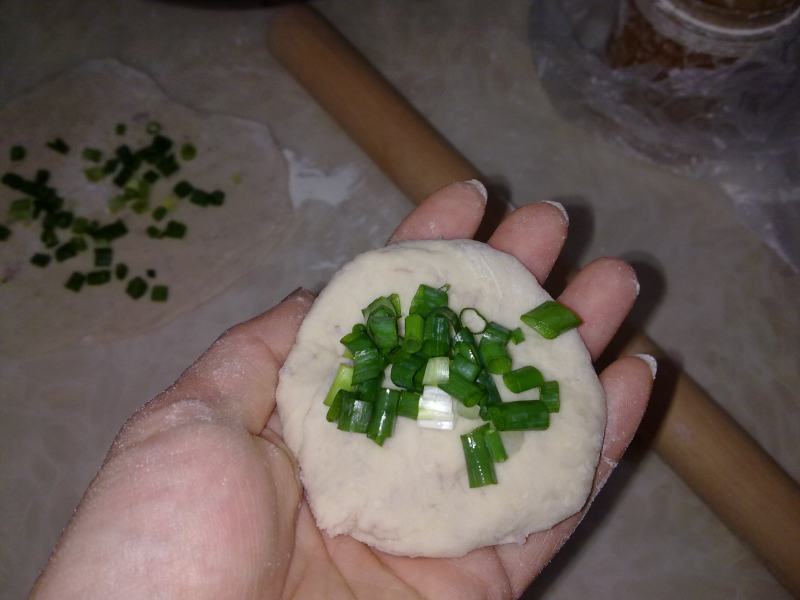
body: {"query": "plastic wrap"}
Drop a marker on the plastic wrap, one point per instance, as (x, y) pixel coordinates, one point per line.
(737, 126)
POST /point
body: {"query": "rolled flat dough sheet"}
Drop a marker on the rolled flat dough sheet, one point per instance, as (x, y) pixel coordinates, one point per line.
(411, 496)
(83, 107)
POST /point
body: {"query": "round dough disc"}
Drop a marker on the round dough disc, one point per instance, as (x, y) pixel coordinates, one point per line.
(411, 496)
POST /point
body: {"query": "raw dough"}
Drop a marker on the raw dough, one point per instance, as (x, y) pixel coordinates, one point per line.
(411, 496)
(222, 244)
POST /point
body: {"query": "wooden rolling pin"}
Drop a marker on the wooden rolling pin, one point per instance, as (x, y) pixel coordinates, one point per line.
(749, 491)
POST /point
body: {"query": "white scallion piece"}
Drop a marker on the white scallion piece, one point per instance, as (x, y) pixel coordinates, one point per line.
(435, 409)
(437, 371)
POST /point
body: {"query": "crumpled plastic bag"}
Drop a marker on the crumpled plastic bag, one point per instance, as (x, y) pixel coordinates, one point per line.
(737, 126)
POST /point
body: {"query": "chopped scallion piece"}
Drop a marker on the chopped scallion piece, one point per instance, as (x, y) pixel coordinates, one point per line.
(436, 336)
(408, 406)
(98, 277)
(468, 392)
(40, 260)
(137, 287)
(494, 356)
(159, 293)
(95, 174)
(121, 271)
(367, 390)
(175, 229)
(75, 281)
(182, 189)
(428, 298)
(5, 233)
(20, 210)
(519, 416)
(151, 273)
(66, 251)
(198, 197)
(120, 129)
(103, 257)
(384, 414)
(492, 397)
(494, 443)
(17, 153)
(496, 333)
(217, 198)
(355, 415)
(58, 145)
(168, 166)
(403, 371)
(49, 238)
(110, 232)
(464, 367)
(523, 379)
(335, 409)
(357, 339)
(550, 319)
(150, 176)
(414, 332)
(517, 337)
(342, 381)
(154, 232)
(437, 371)
(382, 328)
(159, 213)
(549, 394)
(188, 151)
(480, 468)
(435, 409)
(367, 364)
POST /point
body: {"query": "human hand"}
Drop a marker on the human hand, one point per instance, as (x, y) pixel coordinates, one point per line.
(199, 497)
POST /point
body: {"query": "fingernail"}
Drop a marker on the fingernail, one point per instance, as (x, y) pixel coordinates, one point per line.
(560, 208)
(479, 187)
(651, 362)
(300, 294)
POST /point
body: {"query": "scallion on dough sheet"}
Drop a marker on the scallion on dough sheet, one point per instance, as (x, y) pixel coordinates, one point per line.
(445, 366)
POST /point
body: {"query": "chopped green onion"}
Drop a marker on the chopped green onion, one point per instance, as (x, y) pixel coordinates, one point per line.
(153, 128)
(58, 145)
(20, 210)
(110, 166)
(5, 233)
(188, 152)
(154, 232)
(467, 351)
(116, 204)
(159, 213)
(517, 337)
(121, 271)
(159, 293)
(395, 300)
(397, 355)
(468, 412)
(182, 189)
(494, 443)
(80, 225)
(464, 367)
(367, 364)
(150, 176)
(198, 197)
(414, 331)
(523, 379)
(17, 153)
(437, 371)
(92, 154)
(473, 320)
(480, 468)
(175, 229)
(355, 415)
(408, 406)
(103, 257)
(120, 129)
(403, 371)
(519, 416)
(75, 282)
(40, 260)
(496, 333)
(98, 277)
(436, 336)
(66, 251)
(137, 287)
(342, 381)
(63, 219)
(382, 327)
(428, 298)
(110, 232)
(367, 390)
(549, 394)
(42, 176)
(49, 238)
(494, 356)
(492, 397)
(468, 392)
(550, 319)
(379, 304)
(95, 174)
(357, 339)
(435, 409)
(151, 273)
(168, 166)
(335, 409)
(217, 198)
(384, 413)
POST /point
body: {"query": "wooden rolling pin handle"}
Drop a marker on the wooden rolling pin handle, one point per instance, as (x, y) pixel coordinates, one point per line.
(752, 495)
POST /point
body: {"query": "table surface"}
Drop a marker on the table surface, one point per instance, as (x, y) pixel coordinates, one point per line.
(712, 294)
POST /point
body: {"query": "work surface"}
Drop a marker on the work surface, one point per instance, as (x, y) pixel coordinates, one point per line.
(712, 294)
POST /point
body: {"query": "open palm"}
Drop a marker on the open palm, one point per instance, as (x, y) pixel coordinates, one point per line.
(199, 497)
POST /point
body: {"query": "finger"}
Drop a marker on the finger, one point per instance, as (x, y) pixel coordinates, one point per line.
(454, 212)
(602, 293)
(534, 234)
(236, 377)
(627, 384)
